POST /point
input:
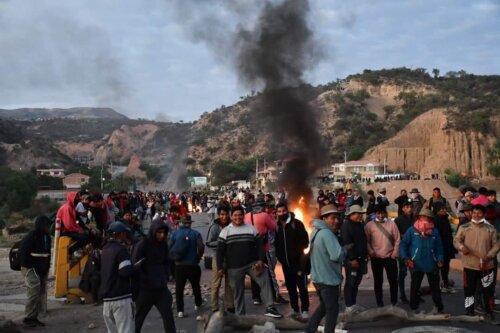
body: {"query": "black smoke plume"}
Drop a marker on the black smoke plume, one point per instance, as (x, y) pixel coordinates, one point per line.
(272, 54)
(276, 54)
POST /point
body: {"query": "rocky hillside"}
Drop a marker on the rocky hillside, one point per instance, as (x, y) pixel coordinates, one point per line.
(410, 120)
(414, 122)
(71, 113)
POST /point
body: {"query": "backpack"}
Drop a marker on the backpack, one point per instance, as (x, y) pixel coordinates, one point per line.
(180, 249)
(14, 257)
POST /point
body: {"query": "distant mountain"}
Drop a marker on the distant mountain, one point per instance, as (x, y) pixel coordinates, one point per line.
(71, 113)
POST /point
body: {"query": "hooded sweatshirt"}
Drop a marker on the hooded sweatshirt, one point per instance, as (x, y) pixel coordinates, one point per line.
(154, 269)
(35, 247)
(214, 232)
(290, 242)
(67, 214)
(326, 255)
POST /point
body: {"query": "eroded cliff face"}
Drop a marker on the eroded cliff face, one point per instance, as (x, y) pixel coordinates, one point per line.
(425, 146)
(125, 142)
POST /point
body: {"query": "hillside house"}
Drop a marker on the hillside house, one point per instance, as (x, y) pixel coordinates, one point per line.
(50, 172)
(74, 181)
(363, 169)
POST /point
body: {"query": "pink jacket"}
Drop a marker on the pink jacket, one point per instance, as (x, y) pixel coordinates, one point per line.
(263, 222)
(379, 245)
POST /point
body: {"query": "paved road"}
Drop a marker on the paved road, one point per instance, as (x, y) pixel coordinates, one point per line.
(76, 318)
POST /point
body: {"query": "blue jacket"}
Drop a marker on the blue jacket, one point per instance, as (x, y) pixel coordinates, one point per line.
(326, 256)
(425, 252)
(196, 246)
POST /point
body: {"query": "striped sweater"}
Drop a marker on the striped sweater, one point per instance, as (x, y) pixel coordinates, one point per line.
(239, 246)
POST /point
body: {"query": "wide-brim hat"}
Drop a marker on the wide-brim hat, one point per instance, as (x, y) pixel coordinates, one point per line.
(328, 209)
(382, 189)
(355, 209)
(425, 212)
(414, 190)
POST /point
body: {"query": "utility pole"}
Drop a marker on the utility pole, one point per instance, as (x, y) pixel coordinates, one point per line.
(102, 166)
(345, 157)
(256, 174)
(384, 165)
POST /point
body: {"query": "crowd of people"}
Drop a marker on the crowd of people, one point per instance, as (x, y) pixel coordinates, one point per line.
(132, 263)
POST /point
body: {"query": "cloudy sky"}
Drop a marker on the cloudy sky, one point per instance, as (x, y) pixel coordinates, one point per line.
(169, 59)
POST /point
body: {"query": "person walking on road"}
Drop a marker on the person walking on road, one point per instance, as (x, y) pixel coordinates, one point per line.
(116, 270)
(186, 248)
(153, 277)
(34, 253)
(326, 268)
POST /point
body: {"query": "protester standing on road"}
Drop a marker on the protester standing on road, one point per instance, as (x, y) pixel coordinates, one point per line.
(421, 251)
(326, 268)
(186, 246)
(353, 233)
(383, 248)
(263, 223)
(290, 242)
(212, 241)
(243, 251)
(116, 269)
(401, 200)
(442, 224)
(404, 221)
(477, 242)
(34, 253)
(417, 200)
(153, 277)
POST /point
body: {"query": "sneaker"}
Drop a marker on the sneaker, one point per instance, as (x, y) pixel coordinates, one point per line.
(451, 290)
(257, 302)
(305, 314)
(349, 309)
(497, 301)
(272, 312)
(180, 314)
(479, 309)
(29, 322)
(281, 300)
(231, 310)
(404, 300)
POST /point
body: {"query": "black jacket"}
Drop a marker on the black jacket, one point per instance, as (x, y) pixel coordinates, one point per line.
(35, 248)
(290, 242)
(116, 270)
(153, 272)
(404, 223)
(442, 224)
(354, 233)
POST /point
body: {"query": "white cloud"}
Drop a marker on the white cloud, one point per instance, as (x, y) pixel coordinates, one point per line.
(135, 56)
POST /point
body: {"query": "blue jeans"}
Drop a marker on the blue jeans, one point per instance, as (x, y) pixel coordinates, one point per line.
(328, 306)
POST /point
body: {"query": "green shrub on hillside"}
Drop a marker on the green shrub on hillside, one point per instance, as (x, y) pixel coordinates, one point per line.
(455, 179)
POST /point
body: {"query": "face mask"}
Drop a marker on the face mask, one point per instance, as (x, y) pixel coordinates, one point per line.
(283, 218)
(477, 222)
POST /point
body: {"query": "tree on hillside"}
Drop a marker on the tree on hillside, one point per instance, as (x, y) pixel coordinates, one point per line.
(494, 160)
(435, 71)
